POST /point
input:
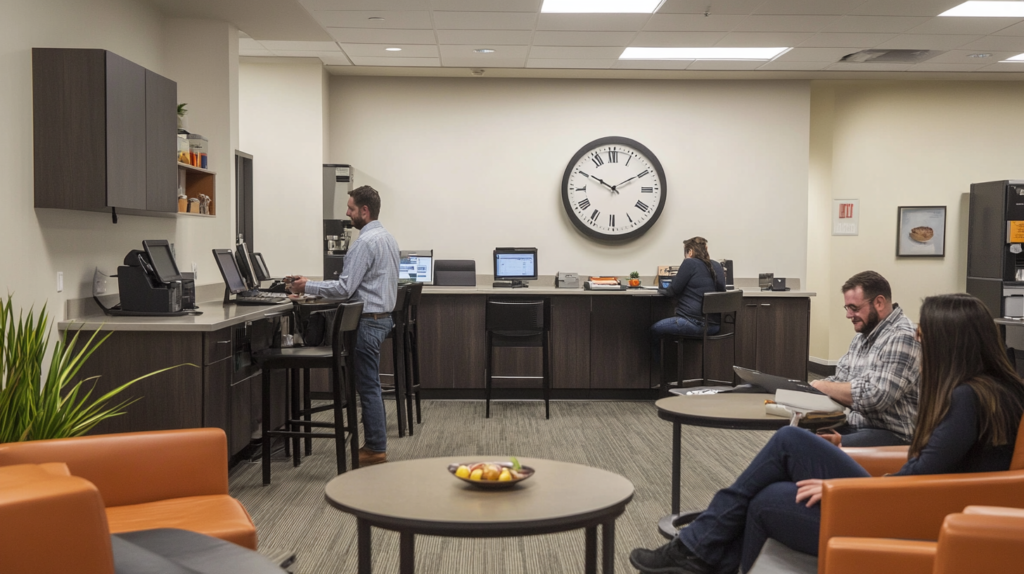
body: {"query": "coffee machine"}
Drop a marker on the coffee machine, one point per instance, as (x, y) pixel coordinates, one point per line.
(338, 180)
(338, 235)
(995, 247)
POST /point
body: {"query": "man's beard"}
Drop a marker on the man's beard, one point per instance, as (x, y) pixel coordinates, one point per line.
(871, 323)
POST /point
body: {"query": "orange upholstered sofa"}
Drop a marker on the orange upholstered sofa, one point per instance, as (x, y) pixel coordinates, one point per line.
(147, 480)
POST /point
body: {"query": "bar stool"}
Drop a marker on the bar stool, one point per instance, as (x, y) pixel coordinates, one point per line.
(397, 336)
(518, 323)
(727, 304)
(338, 359)
(412, 353)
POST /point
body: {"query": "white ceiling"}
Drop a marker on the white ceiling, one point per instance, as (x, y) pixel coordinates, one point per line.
(440, 34)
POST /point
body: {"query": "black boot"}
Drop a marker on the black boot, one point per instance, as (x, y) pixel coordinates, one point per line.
(672, 558)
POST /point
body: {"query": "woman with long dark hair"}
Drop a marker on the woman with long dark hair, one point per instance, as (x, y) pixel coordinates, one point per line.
(697, 275)
(971, 404)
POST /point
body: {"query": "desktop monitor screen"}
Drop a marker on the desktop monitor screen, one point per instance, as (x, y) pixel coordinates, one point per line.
(229, 270)
(159, 251)
(515, 263)
(260, 267)
(417, 266)
(245, 265)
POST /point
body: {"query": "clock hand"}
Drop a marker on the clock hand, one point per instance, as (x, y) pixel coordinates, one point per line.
(601, 181)
(630, 179)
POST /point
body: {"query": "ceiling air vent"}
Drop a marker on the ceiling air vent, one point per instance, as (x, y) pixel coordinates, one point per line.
(890, 56)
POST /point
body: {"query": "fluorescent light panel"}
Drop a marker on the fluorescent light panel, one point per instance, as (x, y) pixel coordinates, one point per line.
(1019, 58)
(976, 9)
(600, 6)
(701, 53)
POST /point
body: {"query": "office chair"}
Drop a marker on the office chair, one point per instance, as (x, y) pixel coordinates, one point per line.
(726, 304)
(518, 323)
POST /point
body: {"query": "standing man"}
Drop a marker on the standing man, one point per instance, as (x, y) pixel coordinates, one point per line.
(370, 275)
(878, 377)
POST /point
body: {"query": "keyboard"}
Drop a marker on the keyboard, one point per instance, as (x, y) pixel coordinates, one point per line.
(261, 299)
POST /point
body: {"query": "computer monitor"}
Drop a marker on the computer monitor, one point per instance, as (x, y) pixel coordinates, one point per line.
(515, 264)
(245, 266)
(416, 266)
(260, 267)
(229, 271)
(159, 252)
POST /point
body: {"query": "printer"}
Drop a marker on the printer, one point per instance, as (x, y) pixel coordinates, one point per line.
(567, 280)
(149, 281)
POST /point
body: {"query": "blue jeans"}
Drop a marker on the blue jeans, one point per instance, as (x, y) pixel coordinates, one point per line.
(369, 337)
(761, 504)
(869, 437)
(676, 326)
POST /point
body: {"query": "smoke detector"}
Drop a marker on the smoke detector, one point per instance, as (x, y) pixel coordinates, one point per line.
(890, 56)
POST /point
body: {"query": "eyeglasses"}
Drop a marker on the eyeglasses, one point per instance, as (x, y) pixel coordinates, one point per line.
(858, 306)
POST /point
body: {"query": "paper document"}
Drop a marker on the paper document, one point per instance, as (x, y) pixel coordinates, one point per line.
(806, 402)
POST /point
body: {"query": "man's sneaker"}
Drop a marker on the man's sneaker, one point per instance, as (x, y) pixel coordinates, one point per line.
(672, 558)
(369, 457)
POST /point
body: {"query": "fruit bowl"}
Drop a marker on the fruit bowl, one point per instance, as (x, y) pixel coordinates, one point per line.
(525, 473)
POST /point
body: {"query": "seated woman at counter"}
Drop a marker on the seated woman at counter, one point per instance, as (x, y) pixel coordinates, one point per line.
(697, 275)
(971, 404)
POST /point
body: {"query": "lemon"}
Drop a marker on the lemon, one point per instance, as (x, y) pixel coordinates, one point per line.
(462, 472)
(505, 476)
(476, 474)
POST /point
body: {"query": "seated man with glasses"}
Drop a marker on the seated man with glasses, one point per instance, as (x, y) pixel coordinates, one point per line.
(878, 377)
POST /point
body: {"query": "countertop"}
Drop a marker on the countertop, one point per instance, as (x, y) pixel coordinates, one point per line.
(535, 289)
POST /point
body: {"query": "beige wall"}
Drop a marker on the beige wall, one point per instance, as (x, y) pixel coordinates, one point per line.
(465, 165)
(282, 124)
(902, 144)
(39, 243)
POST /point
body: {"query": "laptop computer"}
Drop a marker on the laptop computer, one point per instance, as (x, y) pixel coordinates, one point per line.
(772, 383)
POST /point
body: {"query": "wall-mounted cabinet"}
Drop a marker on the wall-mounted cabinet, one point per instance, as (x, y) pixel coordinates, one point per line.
(105, 132)
(194, 182)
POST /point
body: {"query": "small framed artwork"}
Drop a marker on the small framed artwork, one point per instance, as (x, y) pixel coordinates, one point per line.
(921, 231)
(845, 216)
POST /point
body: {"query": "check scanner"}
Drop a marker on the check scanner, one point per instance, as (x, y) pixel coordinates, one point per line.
(149, 282)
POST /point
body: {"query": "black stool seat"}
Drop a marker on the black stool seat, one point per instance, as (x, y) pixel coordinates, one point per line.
(296, 358)
(398, 357)
(727, 305)
(518, 323)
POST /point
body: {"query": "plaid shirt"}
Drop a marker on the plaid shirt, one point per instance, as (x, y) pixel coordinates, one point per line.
(883, 370)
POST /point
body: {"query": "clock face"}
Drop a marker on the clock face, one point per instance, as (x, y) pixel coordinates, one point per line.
(613, 188)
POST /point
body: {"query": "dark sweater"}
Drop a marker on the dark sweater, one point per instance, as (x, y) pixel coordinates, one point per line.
(691, 283)
(953, 446)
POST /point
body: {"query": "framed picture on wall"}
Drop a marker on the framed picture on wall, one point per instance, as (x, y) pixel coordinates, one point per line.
(921, 231)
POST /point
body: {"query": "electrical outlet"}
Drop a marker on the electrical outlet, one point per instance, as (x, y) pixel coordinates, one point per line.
(60, 281)
(195, 271)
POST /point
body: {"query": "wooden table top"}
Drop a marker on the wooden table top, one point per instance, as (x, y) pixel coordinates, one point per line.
(722, 410)
(424, 497)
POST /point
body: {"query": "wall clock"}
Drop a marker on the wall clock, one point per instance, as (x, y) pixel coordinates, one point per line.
(614, 189)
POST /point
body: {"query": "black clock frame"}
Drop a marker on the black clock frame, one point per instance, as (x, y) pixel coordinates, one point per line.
(593, 233)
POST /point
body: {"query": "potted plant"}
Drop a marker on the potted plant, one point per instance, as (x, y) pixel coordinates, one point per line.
(634, 279)
(182, 124)
(39, 401)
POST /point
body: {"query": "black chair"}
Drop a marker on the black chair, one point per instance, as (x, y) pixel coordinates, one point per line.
(338, 359)
(412, 353)
(398, 358)
(727, 304)
(518, 323)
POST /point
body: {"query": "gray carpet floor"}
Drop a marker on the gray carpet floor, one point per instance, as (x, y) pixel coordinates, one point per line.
(623, 437)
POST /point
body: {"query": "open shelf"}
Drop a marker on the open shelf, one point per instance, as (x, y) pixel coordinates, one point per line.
(199, 181)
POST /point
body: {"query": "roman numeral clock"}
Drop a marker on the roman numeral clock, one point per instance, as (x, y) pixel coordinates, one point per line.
(614, 189)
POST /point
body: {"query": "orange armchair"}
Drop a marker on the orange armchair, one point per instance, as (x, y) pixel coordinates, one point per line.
(160, 479)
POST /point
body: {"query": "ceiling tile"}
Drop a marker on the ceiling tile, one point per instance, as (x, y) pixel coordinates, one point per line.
(334, 59)
(254, 52)
(550, 38)
(838, 40)
(676, 39)
(600, 22)
(691, 23)
(652, 64)
(997, 44)
(829, 55)
(412, 62)
(406, 20)
(795, 66)
(723, 7)
(904, 7)
(363, 36)
(570, 53)
(456, 62)
(806, 7)
(874, 24)
(485, 38)
(860, 67)
(963, 57)
(575, 64)
(503, 53)
(725, 65)
(961, 26)
(377, 50)
(1015, 30)
(300, 54)
(389, 5)
(929, 66)
(249, 44)
(926, 42)
(488, 5)
(288, 46)
(1004, 67)
(763, 40)
(784, 23)
(484, 21)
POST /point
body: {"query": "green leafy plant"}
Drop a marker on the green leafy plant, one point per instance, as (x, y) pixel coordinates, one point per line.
(35, 405)
(634, 275)
(181, 109)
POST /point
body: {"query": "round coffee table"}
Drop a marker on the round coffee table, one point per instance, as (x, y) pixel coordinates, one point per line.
(422, 497)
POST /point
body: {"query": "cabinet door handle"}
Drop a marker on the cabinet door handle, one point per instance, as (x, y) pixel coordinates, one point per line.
(766, 304)
(752, 305)
(223, 342)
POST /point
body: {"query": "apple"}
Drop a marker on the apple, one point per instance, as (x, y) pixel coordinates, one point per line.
(462, 471)
(505, 476)
(476, 474)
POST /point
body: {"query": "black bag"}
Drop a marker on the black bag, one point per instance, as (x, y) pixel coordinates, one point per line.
(317, 330)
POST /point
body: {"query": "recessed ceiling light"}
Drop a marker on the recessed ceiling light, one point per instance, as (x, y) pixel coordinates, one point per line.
(393, 49)
(701, 53)
(484, 51)
(1019, 58)
(600, 6)
(977, 9)
(978, 55)
(376, 18)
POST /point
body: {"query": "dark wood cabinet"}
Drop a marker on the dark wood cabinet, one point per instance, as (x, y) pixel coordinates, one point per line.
(774, 335)
(241, 422)
(620, 342)
(104, 133)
